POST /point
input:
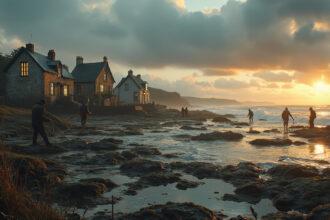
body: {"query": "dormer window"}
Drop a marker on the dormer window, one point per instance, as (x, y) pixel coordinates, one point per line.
(24, 69)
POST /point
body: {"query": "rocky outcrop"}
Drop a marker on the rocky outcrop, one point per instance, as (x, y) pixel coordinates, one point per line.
(226, 136)
(272, 142)
(173, 211)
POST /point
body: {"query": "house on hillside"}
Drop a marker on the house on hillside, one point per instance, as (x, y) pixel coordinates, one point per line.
(132, 90)
(31, 76)
(94, 82)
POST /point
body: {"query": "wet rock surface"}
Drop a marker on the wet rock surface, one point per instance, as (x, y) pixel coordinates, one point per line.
(272, 142)
(173, 211)
(213, 136)
(138, 167)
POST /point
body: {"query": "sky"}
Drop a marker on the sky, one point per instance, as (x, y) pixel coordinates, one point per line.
(250, 50)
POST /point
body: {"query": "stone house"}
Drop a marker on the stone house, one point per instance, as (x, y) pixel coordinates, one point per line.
(132, 90)
(93, 82)
(31, 76)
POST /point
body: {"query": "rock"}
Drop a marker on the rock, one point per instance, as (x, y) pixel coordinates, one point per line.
(227, 136)
(272, 142)
(80, 194)
(129, 155)
(252, 192)
(108, 144)
(182, 137)
(221, 119)
(240, 124)
(293, 171)
(326, 173)
(185, 184)
(190, 128)
(274, 130)
(138, 167)
(299, 143)
(199, 169)
(173, 211)
(291, 215)
(253, 132)
(155, 179)
(107, 182)
(231, 197)
(146, 151)
(130, 192)
(321, 212)
(313, 133)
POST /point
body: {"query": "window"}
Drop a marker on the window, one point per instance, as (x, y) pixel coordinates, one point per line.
(24, 69)
(101, 88)
(105, 77)
(52, 89)
(65, 90)
(126, 87)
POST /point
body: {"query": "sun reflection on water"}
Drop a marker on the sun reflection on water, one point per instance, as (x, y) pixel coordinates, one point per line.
(318, 150)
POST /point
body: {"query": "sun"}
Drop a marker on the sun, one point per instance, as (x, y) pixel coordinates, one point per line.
(321, 86)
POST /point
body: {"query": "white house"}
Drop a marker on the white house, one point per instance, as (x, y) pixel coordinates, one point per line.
(132, 90)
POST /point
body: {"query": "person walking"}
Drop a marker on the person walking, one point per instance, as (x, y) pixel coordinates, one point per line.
(37, 122)
(312, 117)
(182, 112)
(285, 117)
(84, 112)
(250, 115)
(186, 111)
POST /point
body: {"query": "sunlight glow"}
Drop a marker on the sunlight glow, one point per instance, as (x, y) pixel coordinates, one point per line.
(319, 149)
(321, 86)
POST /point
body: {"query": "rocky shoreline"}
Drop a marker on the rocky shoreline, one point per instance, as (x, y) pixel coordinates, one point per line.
(68, 169)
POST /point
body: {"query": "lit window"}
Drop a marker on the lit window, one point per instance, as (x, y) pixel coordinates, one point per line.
(24, 69)
(105, 77)
(65, 90)
(52, 89)
(101, 88)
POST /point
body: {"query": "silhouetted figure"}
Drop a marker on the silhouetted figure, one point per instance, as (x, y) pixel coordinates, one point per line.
(250, 115)
(186, 111)
(84, 112)
(37, 122)
(285, 116)
(312, 117)
(182, 112)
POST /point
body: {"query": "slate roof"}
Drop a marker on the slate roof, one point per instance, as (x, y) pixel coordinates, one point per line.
(44, 63)
(88, 72)
(138, 81)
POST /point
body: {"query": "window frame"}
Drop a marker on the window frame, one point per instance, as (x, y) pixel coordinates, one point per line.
(24, 69)
(66, 90)
(101, 88)
(52, 89)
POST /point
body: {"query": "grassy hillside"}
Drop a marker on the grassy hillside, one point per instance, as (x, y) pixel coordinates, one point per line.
(172, 99)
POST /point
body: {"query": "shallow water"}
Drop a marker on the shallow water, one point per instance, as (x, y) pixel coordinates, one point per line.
(221, 152)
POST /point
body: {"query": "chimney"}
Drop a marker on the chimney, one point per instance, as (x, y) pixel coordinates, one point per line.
(79, 60)
(30, 47)
(130, 72)
(138, 76)
(51, 55)
(105, 59)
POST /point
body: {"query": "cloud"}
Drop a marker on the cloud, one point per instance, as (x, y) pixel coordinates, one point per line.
(251, 35)
(274, 76)
(218, 72)
(224, 83)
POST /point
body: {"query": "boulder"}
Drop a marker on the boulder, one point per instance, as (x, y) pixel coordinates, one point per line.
(173, 211)
(138, 167)
(288, 171)
(272, 142)
(213, 136)
(221, 119)
(186, 184)
(190, 128)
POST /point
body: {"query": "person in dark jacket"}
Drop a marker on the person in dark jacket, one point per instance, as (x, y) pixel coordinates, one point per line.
(37, 122)
(312, 117)
(84, 112)
(286, 114)
(250, 115)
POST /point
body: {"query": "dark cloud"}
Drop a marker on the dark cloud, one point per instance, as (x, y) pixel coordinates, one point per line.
(155, 33)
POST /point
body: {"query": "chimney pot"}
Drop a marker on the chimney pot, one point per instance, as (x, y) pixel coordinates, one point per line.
(51, 55)
(138, 76)
(105, 59)
(79, 60)
(30, 47)
(130, 72)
